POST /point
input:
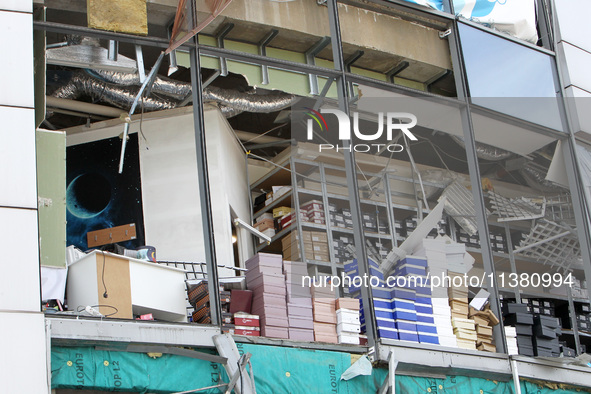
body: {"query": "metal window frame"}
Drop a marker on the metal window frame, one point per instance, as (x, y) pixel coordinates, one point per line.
(343, 77)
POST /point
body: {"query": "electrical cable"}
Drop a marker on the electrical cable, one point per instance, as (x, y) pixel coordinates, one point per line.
(266, 132)
(81, 308)
(105, 294)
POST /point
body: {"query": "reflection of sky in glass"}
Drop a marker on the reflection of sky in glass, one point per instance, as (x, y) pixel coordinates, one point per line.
(500, 68)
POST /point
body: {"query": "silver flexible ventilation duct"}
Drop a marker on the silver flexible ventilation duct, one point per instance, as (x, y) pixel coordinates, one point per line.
(120, 89)
(82, 84)
(161, 85)
(536, 179)
(484, 151)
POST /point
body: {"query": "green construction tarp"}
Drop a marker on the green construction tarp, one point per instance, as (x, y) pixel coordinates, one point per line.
(276, 370)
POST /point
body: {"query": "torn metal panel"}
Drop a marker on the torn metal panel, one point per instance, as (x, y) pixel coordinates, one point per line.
(516, 208)
(552, 243)
(459, 205)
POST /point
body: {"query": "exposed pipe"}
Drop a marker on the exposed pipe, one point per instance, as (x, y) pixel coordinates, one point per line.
(537, 180)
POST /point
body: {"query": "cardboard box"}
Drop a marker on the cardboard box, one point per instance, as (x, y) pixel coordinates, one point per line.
(319, 237)
(348, 338)
(347, 316)
(321, 328)
(299, 334)
(351, 304)
(348, 327)
(264, 260)
(264, 224)
(246, 319)
(301, 322)
(247, 332)
(281, 211)
(275, 332)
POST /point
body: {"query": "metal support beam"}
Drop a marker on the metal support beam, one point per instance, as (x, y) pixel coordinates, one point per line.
(512, 260)
(573, 320)
(220, 40)
(348, 63)
(437, 78)
(311, 60)
(139, 58)
(204, 195)
(475, 182)
(113, 50)
(397, 69)
(350, 171)
(263, 52)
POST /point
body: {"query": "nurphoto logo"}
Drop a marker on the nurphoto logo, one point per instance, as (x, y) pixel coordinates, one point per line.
(390, 123)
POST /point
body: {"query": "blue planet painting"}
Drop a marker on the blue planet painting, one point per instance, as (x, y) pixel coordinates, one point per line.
(97, 196)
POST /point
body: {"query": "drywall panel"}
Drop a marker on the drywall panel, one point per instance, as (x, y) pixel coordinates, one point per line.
(172, 213)
(16, 5)
(17, 157)
(19, 260)
(573, 20)
(23, 365)
(51, 170)
(16, 67)
(577, 61)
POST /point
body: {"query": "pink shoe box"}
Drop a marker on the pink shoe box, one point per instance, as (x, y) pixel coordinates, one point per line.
(264, 260)
(301, 322)
(299, 334)
(275, 332)
(299, 310)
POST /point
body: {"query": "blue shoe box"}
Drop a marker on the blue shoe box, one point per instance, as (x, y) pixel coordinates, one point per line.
(408, 336)
(426, 328)
(404, 314)
(406, 270)
(416, 261)
(406, 325)
(403, 293)
(425, 318)
(389, 333)
(401, 303)
(424, 308)
(428, 338)
(385, 323)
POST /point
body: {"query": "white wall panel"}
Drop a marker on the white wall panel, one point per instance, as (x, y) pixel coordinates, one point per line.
(23, 365)
(573, 19)
(19, 260)
(16, 67)
(17, 5)
(18, 172)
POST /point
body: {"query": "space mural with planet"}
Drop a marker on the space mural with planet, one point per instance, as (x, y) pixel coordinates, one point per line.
(97, 196)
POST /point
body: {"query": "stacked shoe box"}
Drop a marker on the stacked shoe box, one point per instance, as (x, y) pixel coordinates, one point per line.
(464, 328)
(246, 324)
(382, 299)
(348, 324)
(265, 223)
(484, 329)
(517, 315)
(511, 337)
(291, 245)
(198, 296)
(546, 330)
(290, 218)
(265, 278)
(339, 247)
(315, 211)
(434, 250)
(324, 314)
(299, 302)
(411, 273)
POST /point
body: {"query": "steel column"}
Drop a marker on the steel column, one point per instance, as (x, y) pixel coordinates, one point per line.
(350, 171)
(475, 182)
(204, 195)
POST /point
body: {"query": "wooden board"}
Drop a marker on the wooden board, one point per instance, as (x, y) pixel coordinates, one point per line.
(111, 235)
(125, 16)
(116, 285)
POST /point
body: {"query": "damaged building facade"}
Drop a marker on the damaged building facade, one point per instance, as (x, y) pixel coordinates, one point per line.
(173, 172)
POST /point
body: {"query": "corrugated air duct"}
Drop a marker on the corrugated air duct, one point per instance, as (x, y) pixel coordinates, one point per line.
(120, 89)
